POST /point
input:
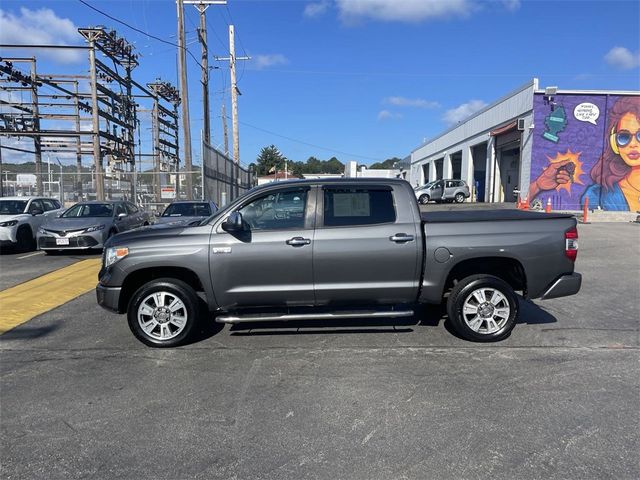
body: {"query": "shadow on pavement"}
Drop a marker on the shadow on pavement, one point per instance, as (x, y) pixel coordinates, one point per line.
(23, 332)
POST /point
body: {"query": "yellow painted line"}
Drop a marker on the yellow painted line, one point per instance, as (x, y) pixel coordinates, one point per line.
(23, 302)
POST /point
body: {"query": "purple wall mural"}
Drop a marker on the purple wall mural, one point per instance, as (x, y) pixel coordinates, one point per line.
(586, 146)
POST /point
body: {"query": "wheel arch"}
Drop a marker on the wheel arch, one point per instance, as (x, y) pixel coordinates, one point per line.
(137, 278)
(508, 269)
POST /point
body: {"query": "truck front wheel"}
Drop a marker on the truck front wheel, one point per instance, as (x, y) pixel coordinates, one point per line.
(162, 313)
(483, 308)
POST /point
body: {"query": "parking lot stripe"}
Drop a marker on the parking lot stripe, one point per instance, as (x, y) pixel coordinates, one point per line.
(30, 255)
(23, 302)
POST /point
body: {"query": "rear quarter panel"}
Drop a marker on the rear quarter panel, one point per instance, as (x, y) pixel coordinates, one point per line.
(539, 246)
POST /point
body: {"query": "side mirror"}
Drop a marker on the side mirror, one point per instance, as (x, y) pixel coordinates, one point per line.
(233, 223)
(36, 211)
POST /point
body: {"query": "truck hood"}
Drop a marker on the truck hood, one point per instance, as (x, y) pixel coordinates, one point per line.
(149, 232)
(179, 220)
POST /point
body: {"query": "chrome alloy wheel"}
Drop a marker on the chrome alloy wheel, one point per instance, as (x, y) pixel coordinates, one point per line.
(486, 310)
(162, 315)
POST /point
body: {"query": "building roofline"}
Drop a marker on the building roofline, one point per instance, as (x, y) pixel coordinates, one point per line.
(592, 92)
(532, 83)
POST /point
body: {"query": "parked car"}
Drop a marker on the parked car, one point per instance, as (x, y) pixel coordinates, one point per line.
(356, 248)
(187, 212)
(445, 190)
(20, 218)
(89, 224)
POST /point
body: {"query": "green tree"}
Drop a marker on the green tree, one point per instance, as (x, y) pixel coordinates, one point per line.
(269, 160)
(386, 165)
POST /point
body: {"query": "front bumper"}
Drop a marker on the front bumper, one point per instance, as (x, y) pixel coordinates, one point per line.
(8, 235)
(46, 242)
(564, 286)
(108, 297)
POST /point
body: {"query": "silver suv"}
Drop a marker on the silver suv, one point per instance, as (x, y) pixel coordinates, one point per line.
(444, 190)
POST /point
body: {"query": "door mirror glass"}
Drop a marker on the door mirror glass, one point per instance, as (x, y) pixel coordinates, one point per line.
(233, 223)
(36, 211)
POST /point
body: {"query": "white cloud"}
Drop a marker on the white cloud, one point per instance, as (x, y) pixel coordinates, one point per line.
(42, 26)
(402, 10)
(511, 5)
(316, 9)
(622, 58)
(387, 115)
(269, 60)
(461, 112)
(410, 102)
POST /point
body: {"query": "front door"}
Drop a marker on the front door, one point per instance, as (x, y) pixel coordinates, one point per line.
(437, 190)
(365, 249)
(270, 264)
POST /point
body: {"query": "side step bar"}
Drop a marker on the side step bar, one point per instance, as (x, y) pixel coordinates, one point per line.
(287, 317)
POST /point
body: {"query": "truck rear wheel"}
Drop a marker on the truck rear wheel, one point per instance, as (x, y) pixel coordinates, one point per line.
(483, 308)
(162, 313)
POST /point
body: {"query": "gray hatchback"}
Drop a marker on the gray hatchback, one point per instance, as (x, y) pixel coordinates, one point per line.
(89, 224)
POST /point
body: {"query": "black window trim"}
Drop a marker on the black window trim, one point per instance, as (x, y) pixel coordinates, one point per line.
(374, 187)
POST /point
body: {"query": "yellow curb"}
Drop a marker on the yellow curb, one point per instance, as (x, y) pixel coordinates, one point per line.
(23, 302)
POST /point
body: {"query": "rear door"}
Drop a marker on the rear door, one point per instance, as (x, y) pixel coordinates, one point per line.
(271, 263)
(450, 189)
(366, 246)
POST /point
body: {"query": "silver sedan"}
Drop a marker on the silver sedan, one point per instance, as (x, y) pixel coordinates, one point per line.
(88, 225)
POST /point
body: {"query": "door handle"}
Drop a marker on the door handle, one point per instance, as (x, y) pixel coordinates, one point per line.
(401, 238)
(298, 241)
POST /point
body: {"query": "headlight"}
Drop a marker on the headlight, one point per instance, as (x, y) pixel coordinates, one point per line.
(95, 228)
(114, 254)
(10, 223)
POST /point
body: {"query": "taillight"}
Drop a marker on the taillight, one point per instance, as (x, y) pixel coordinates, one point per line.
(571, 243)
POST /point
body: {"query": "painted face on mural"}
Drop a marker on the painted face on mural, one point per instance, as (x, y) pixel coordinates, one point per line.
(626, 139)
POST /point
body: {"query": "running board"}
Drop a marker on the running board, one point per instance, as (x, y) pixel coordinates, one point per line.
(287, 317)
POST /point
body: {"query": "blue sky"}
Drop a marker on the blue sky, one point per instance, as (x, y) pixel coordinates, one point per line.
(364, 79)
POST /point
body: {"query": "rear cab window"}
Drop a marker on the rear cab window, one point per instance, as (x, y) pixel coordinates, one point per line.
(353, 206)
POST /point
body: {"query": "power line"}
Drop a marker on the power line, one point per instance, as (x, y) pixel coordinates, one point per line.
(310, 144)
(121, 22)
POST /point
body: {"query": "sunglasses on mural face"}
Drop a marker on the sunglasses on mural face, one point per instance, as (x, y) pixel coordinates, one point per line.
(623, 137)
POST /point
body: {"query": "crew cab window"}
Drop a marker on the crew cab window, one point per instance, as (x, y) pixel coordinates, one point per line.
(358, 206)
(277, 210)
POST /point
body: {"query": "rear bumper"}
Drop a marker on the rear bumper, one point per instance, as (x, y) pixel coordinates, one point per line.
(108, 297)
(563, 287)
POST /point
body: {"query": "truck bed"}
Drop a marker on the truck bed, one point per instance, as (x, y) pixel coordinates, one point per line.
(465, 216)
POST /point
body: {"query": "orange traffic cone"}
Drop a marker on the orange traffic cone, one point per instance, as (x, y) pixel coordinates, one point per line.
(548, 206)
(526, 203)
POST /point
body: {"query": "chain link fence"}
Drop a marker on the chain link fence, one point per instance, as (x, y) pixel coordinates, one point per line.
(224, 179)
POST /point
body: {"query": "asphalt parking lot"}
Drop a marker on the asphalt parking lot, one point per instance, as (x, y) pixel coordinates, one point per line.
(560, 398)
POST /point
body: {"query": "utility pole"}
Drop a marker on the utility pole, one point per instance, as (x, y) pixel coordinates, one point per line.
(36, 125)
(234, 93)
(184, 94)
(225, 131)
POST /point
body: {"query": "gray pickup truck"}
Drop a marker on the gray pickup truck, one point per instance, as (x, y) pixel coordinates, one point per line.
(327, 249)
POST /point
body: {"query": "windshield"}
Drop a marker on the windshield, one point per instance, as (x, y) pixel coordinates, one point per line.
(12, 207)
(187, 210)
(426, 185)
(89, 210)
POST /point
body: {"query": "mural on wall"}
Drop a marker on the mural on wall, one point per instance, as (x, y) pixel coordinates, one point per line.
(590, 148)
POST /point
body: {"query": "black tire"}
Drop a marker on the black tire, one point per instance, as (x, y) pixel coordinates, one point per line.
(424, 199)
(464, 291)
(459, 198)
(24, 240)
(175, 288)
